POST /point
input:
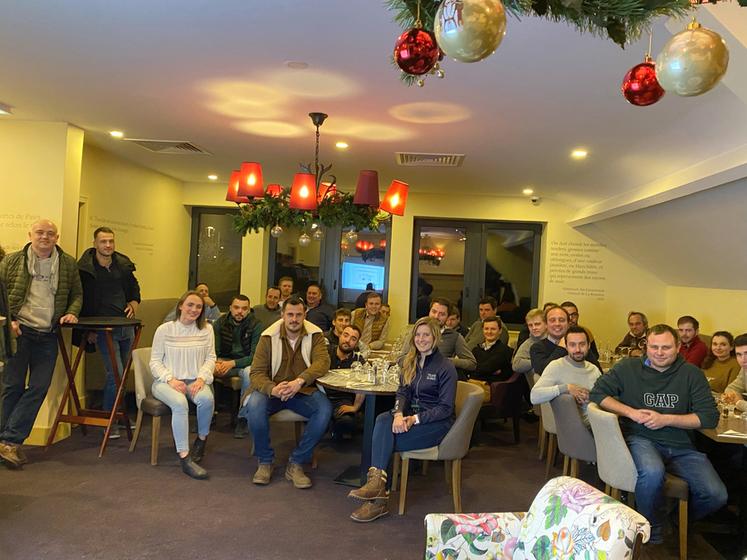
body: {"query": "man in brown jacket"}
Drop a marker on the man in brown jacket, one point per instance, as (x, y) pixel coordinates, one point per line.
(290, 356)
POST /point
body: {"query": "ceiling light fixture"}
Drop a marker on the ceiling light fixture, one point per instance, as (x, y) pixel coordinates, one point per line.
(213, 177)
(527, 191)
(342, 145)
(579, 153)
(297, 64)
(118, 134)
(5, 109)
(312, 198)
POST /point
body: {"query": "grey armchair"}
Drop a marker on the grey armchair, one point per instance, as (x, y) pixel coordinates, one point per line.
(574, 438)
(452, 448)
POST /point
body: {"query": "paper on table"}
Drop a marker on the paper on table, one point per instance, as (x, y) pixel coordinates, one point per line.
(734, 433)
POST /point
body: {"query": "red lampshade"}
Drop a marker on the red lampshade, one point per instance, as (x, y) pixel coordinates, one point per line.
(395, 198)
(250, 180)
(274, 190)
(233, 189)
(367, 191)
(303, 192)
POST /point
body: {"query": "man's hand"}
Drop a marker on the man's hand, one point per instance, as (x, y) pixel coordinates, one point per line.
(345, 409)
(180, 386)
(131, 309)
(279, 390)
(730, 397)
(656, 421)
(209, 301)
(15, 326)
(639, 416)
(222, 367)
(292, 387)
(399, 425)
(196, 386)
(69, 318)
(579, 393)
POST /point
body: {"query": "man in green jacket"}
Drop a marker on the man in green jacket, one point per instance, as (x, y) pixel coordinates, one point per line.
(44, 291)
(660, 399)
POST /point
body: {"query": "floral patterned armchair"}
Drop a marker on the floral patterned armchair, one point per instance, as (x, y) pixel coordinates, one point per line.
(568, 519)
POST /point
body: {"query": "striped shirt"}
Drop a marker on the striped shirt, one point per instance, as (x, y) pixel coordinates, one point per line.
(183, 352)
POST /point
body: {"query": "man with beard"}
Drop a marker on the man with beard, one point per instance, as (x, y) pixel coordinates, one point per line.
(344, 405)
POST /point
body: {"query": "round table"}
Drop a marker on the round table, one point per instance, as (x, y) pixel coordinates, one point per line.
(343, 380)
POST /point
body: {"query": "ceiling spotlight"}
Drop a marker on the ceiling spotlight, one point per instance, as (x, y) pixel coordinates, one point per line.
(341, 145)
(527, 191)
(579, 153)
(5, 109)
(118, 134)
(213, 177)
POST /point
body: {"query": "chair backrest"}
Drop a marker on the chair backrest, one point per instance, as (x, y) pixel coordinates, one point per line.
(614, 462)
(456, 442)
(548, 420)
(507, 396)
(574, 438)
(143, 377)
(572, 518)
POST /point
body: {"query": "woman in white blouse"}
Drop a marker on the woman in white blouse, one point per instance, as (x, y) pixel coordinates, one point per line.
(182, 362)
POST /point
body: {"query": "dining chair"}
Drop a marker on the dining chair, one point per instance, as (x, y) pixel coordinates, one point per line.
(548, 423)
(451, 450)
(506, 398)
(575, 441)
(146, 402)
(618, 471)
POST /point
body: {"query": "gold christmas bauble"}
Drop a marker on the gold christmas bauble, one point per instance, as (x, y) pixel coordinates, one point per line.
(692, 62)
(469, 30)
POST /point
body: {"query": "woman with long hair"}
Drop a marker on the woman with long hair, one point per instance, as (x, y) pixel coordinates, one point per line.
(422, 415)
(720, 365)
(182, 362)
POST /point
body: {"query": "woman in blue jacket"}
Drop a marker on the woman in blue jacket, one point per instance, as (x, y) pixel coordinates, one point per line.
(422, 415)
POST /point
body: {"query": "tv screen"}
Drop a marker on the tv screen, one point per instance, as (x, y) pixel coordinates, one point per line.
(355, 276)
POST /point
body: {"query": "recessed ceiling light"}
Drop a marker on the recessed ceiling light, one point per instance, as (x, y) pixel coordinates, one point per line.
(579, 153)
(527, 191)
(5, 109)
(118, 134)
(213, 177)
(342, 145)
(297, 64)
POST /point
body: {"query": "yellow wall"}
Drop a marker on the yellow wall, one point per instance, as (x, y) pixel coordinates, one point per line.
(716, 310)
(143, 208)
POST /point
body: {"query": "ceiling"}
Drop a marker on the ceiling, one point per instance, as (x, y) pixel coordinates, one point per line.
(213, 72)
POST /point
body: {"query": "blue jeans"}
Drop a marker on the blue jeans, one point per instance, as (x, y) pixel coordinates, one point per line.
(122, 338)
(37, 354)
(653, 460)
(179, 406)
(243, 373)
(258, 409)
(419, 436)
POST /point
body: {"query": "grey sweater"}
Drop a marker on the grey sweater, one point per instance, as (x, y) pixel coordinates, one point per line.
(522, 363)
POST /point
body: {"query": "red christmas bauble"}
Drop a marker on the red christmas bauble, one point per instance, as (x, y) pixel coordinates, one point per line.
(416, 51)
(640, 86)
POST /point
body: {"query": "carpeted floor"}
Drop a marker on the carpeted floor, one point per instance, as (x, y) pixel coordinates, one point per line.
(66, 503)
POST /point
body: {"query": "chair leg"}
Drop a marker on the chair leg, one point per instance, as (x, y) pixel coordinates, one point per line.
(683, 529)
(566, 465)
(456, 483)
(517, 433)
(447, 472)
(608, 489)
(631, 500)
(395, 471)
(574, 468)
(424, 470)
(138, 425)
(542, 439)
(551, 442)
(403, 484)
(154, 433)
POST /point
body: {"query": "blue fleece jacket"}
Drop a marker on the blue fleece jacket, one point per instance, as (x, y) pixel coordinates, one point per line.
(432, 392)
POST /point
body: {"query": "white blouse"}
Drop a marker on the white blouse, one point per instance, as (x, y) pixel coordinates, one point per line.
(183, 352)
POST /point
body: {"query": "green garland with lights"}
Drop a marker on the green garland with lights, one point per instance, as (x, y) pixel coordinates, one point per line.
(622, 21)
(337, 209)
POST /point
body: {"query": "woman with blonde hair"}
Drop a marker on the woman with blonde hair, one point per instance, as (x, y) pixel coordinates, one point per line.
(422, 415)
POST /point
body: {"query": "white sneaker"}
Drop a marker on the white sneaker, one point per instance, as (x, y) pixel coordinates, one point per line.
(114, 433)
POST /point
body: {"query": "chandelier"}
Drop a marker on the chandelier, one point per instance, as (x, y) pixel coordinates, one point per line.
(313, 199)
(432, 256)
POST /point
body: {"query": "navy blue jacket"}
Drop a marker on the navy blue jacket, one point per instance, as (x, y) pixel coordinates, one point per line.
(432, 392)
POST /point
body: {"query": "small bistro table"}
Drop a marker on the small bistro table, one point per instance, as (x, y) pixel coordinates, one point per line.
(88, 417)
(342, 380)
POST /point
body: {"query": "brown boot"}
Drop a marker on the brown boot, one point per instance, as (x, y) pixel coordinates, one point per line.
(294, 473)
(9, 455)
(371, 510)
(375, 486)
(263, 474)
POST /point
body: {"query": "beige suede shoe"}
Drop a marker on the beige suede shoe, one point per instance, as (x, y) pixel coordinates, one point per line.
(263, 474)
(294, 473)
(371, 510)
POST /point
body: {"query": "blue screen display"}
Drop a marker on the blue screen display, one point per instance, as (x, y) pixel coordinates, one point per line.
(355, 276)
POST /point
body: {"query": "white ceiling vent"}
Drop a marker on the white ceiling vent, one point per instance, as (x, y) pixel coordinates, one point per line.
(414, 159)
(169, 146)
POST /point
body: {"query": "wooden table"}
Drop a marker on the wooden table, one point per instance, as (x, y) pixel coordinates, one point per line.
(88, 417)
(342, 380)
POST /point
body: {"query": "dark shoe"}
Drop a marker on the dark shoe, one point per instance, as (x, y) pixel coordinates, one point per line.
(198, 449)
(21, 455)
(190, 468)
(370, 511)
(294, 473)
(375, 486)
(242, 428)
(9, 455)
(263, 474)
(530, 417)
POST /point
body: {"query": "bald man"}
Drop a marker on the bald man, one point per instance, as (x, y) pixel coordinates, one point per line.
(44, 291)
